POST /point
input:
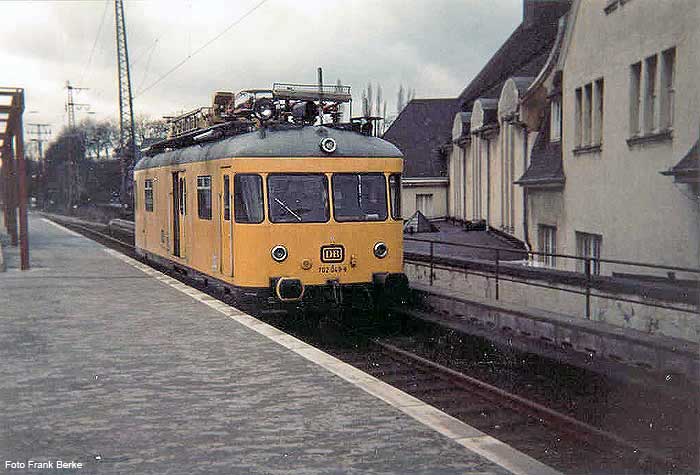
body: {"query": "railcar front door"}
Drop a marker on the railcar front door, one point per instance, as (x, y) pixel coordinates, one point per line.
(179, 211)
(225, 224)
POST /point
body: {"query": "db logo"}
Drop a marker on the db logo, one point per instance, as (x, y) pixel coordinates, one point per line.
(332, 253)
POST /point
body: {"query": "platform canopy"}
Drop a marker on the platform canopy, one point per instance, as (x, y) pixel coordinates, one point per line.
(13, 189)
(11, 109)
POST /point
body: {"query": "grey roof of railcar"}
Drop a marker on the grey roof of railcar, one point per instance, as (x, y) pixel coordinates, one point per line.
(289, 142)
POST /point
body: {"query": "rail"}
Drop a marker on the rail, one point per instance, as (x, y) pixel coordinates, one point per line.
(503, 270)
(502, 265)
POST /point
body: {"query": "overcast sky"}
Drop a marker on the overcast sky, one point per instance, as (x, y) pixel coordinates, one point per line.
(434, 46)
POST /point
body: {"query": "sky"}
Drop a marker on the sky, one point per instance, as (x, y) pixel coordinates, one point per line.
(434, 46)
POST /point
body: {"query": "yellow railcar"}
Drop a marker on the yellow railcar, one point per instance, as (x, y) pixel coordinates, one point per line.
(293, 211)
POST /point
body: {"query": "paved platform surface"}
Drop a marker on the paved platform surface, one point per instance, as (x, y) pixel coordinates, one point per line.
(109, 364)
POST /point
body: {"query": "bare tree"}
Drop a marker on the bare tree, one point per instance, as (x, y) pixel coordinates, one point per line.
(365, 104)
(411, 95)
(384, 122)
(148, 129)
(370, 97)
(400, 100)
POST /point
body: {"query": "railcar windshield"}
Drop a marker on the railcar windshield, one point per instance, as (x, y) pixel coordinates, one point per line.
(298, 198)
(359, 197)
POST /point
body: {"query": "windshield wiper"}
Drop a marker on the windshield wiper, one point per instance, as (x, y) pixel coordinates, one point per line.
(289, 210)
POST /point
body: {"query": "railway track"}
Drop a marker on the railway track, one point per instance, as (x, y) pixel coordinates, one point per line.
(551, 436)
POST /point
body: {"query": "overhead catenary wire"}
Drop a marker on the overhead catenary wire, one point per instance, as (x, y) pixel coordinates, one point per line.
(202, 47)
(94, 44)
(148, 64)
(143, 53)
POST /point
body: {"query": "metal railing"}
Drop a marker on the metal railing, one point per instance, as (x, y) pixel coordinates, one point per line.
(500, 269)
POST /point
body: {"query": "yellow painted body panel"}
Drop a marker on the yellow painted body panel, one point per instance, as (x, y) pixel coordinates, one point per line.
(205, 243)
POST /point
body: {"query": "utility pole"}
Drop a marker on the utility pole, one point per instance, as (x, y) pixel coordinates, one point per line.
(71, 107)
(128, 151)
(40, 131)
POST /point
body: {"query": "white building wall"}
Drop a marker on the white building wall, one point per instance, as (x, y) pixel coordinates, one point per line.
(459, 190)
(618, 192)
(454, 186)
(438, 200)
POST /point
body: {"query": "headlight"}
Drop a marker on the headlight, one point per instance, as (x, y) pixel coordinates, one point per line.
(264, 109)
(279, 253)
(380, 250)
(328, 145)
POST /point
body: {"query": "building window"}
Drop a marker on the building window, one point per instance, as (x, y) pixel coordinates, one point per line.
(588, 246)
(148, 195)
(204, 197)
(598, 91)
(578, 118)
(652, 98)
(547, 243)
(650, 95)
(555, 120)
(635, 97)
(589, 115)
(424, 204)
(668, 73)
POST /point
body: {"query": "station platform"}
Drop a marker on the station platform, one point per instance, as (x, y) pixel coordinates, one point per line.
(108, 363)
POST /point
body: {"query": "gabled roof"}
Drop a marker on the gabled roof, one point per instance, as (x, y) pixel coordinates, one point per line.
(546, 167)
(419, 131)
(688, 169)
(523, 54)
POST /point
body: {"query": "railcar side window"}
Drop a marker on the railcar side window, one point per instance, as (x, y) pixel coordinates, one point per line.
(359, 197)
(248, 199)
(395, 195)
(204, 197)
(226, 198)
(148, 194)
(183, 196)
(298, 198)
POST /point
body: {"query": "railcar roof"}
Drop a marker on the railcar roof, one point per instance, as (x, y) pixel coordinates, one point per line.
(290, 142)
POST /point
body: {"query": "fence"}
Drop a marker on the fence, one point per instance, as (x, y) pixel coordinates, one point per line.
(498, 263)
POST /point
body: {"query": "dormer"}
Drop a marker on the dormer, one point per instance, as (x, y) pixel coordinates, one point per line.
(484, 115)
(461, 127)
(509, 102)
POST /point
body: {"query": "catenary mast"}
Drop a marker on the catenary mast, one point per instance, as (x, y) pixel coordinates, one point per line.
(128, 151)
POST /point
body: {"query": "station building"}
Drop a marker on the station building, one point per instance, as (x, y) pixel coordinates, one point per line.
(580, 135)
(491, 144)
